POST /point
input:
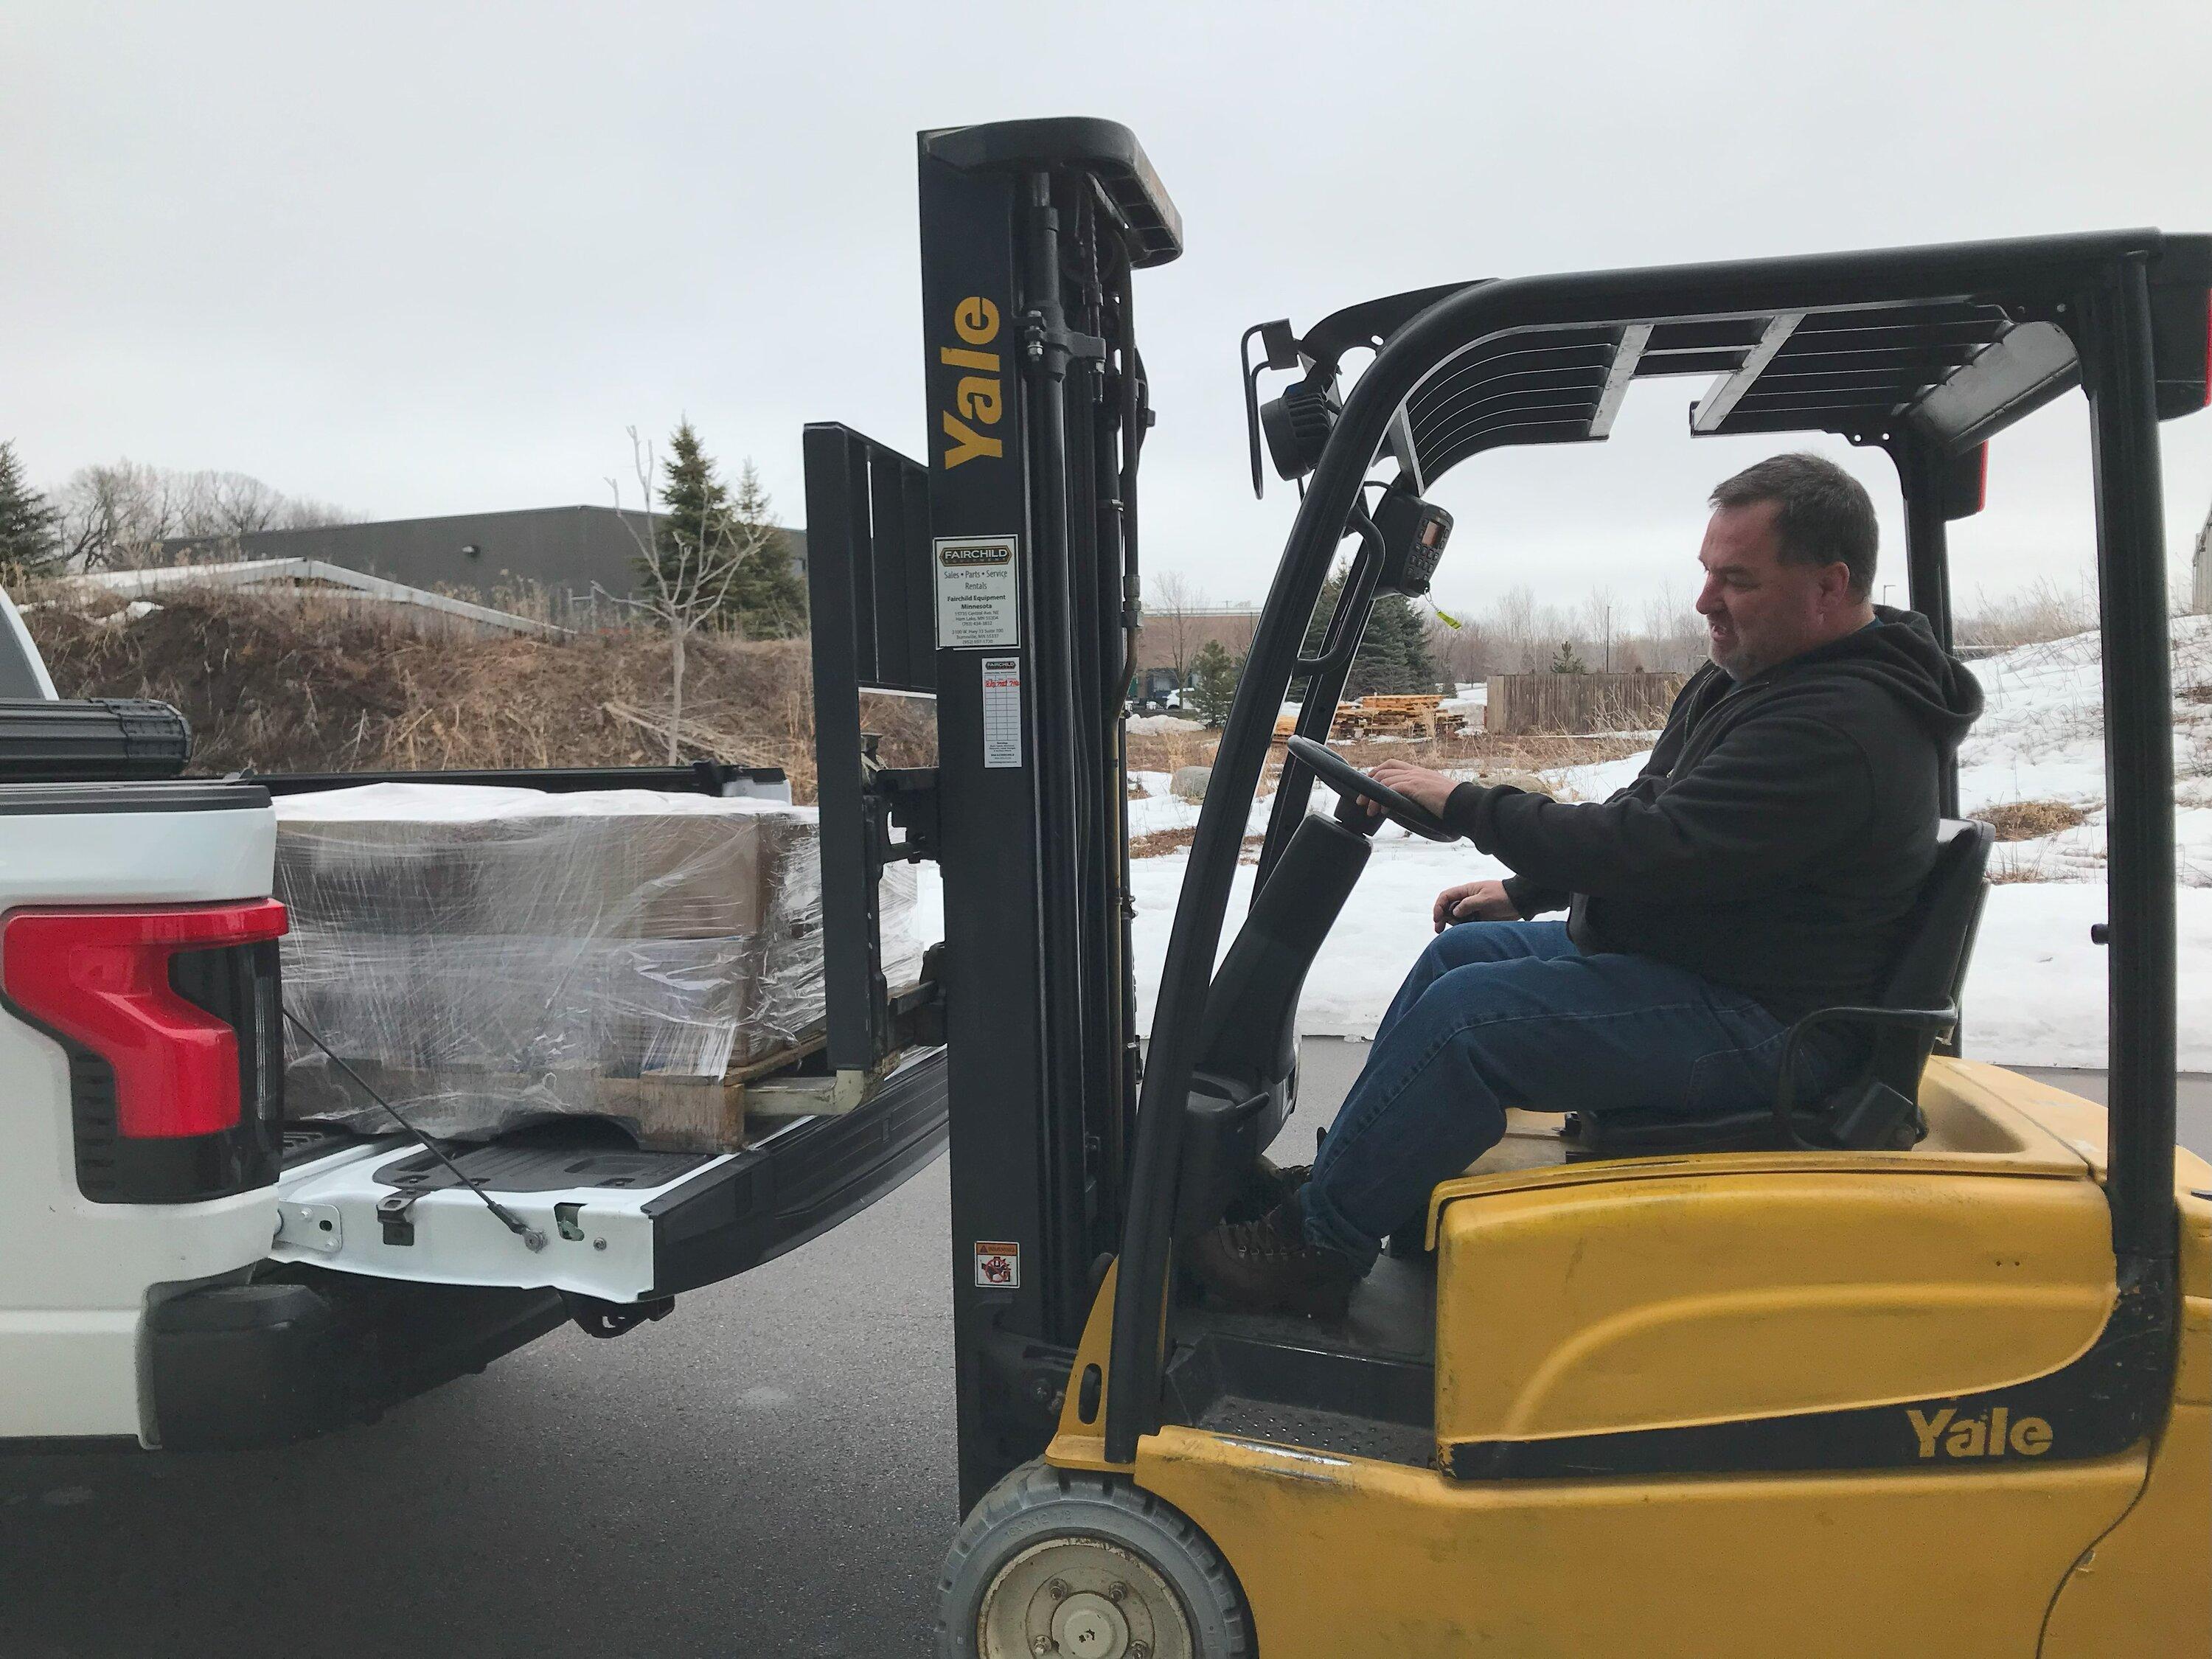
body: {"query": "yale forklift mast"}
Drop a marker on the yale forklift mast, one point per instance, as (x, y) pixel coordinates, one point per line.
(1000, 574)
(1923, 1366)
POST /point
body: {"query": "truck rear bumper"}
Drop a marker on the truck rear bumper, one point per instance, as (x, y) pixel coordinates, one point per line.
(236, 1367)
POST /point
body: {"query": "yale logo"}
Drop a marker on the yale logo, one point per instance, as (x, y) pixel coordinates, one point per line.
(1975, 1437)
(979, 396)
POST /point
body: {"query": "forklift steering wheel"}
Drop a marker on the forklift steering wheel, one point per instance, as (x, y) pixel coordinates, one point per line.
(1354, 786)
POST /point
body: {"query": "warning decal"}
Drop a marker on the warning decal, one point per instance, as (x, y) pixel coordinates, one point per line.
(979, 601)
(1002, 711)
(998, 1265)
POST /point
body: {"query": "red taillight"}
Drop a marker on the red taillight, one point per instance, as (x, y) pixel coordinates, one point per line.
(100, 978)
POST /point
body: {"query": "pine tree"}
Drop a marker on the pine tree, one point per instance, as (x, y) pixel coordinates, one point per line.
(30, 525)
(1395, 651)
(690, 562)
(768, 600)
(695, 535)
(1394, 657)
(1213, 677)
(1566, 662)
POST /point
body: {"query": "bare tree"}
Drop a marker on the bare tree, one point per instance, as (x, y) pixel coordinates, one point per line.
(1673, 635)
(1597, 626)
(118, 514)
(686, 572)
(1517, 625)
(1177, 605)
(1466, 653)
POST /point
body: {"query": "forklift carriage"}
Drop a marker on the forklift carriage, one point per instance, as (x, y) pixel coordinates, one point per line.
(1925, 1366)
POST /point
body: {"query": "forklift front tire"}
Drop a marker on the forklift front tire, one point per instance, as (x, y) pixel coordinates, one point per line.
(1061, 1562)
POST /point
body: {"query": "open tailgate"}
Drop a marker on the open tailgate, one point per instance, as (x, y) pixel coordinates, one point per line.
(611, 1223)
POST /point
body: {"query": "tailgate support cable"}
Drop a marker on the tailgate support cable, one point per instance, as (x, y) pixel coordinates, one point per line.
(532, 1238)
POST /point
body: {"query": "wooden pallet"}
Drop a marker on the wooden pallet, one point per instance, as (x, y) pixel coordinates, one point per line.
(1413, 715)
(667, 1112)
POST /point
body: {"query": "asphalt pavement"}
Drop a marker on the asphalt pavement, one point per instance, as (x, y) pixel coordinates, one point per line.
(770, 1471)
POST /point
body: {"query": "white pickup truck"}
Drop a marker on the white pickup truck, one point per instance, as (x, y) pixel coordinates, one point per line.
(181, 1269)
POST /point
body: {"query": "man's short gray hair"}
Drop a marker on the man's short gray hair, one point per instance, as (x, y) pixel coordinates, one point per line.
(1822, 515)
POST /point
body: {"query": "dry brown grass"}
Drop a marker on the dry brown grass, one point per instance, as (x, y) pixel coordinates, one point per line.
(303, 682)
(1158, 843)
(2038, 614)
(2029, 820)
(1158, 752)
(294, 684)
(1170, 751)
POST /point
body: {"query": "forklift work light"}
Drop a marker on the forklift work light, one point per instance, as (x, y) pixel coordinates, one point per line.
(1298, 425)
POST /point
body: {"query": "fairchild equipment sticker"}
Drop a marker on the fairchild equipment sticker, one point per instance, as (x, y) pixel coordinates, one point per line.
(978, 598)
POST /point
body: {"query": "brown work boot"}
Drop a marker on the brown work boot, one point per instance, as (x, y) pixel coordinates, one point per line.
(1266, 1266)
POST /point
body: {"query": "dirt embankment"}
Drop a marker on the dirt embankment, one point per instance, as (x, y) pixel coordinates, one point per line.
(298, 684)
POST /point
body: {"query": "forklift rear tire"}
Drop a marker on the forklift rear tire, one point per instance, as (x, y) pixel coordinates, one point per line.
(1062, 1562)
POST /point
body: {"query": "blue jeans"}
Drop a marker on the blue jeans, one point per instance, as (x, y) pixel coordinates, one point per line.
(1509, 1014)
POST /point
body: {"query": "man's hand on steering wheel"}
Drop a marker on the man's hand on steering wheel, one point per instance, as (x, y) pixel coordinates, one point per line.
(1425, 789)
(1362, 800)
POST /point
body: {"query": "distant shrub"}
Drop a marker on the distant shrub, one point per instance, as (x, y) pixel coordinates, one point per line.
(2029, 820)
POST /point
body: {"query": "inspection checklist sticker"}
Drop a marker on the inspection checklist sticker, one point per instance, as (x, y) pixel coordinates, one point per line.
(1002, 711)
(979, 599)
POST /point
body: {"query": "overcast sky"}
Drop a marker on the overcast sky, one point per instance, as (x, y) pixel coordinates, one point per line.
(435, 259)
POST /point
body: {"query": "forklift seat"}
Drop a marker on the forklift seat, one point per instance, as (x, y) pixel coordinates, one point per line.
(1878, 1107)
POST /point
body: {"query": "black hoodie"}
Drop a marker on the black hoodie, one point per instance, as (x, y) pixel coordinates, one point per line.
(1781, 832)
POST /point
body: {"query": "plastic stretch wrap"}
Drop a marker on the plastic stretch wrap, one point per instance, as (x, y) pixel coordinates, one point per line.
(487, 955)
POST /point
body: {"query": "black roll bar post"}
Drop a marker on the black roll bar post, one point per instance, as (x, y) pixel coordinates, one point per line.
(1325, 677)
(1920, 472)
(2115, 344)
(1757, 287)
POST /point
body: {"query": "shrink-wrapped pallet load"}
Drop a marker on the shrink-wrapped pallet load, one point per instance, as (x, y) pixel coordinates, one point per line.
(484, 957)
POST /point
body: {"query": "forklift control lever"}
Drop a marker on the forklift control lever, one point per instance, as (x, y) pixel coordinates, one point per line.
(1354, 786)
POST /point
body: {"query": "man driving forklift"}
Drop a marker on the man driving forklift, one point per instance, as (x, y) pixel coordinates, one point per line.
(1952, 1398)
(1764, 865)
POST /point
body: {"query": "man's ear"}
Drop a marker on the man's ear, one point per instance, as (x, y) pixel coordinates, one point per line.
(1836, 587)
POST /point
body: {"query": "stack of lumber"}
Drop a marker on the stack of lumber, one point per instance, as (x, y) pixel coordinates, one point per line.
(1411, 716)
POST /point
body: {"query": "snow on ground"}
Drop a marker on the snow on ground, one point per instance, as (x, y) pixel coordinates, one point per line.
(2041, 737)
(2035, 994)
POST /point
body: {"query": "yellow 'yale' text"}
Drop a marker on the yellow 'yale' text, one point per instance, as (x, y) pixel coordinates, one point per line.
(978, 396)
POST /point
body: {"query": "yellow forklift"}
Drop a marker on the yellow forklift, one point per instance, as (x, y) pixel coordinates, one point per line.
(1923, 1367)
